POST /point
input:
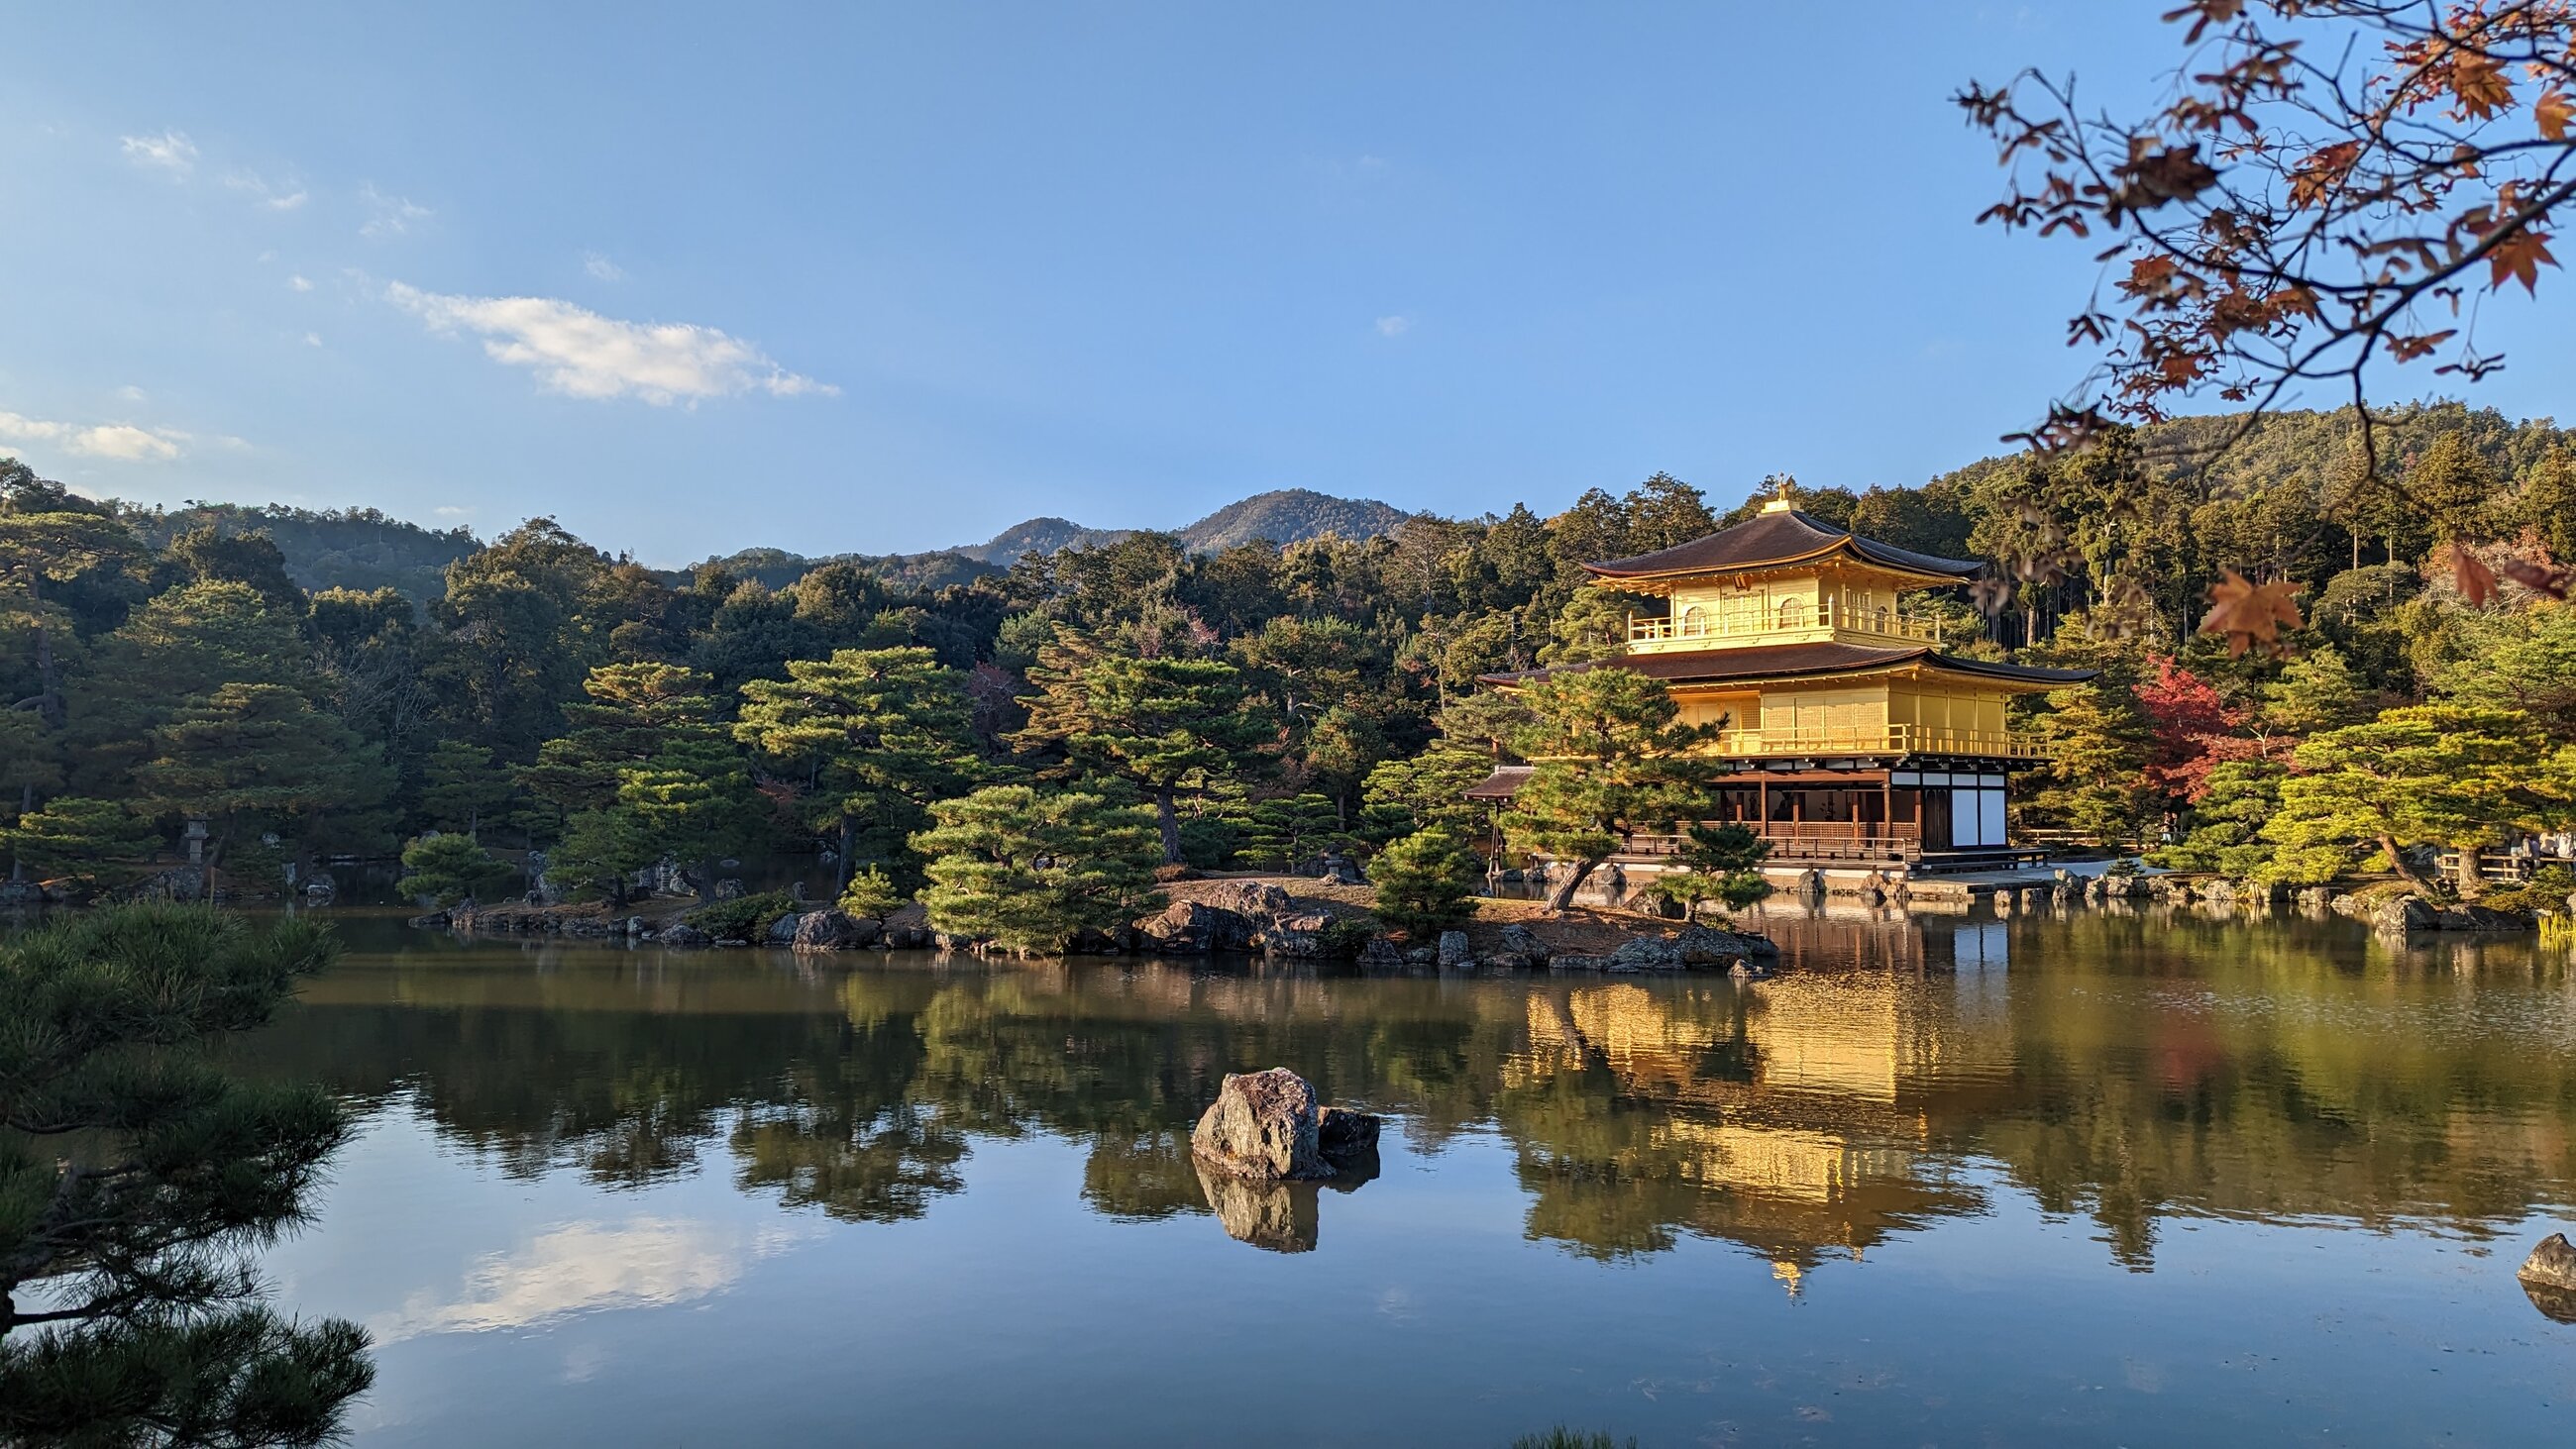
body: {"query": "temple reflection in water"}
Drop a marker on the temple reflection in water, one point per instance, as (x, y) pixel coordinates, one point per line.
(2126, 1067)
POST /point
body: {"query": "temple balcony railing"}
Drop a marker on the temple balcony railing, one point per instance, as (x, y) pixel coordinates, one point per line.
(1791, 620)
(1891, 739)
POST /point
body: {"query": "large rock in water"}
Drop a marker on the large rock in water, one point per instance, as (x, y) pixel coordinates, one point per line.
(826, 930)
(2549, 1278)
(1262, 1125)
(1268, 1126)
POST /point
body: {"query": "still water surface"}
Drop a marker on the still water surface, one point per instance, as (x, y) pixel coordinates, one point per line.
(2099, 1179)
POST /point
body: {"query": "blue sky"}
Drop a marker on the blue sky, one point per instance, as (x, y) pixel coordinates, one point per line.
(884, 278)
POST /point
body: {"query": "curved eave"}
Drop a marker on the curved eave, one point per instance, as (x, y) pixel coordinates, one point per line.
(1894, 561)
(1674, 670)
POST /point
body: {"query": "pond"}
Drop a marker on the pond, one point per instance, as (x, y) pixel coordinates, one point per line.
(2103, 1178)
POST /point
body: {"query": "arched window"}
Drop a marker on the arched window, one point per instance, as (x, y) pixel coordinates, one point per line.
(1793, 613)
(1694, 620)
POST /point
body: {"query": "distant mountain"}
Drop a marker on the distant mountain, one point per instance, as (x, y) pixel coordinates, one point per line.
(1039, 535)
(1291, 515)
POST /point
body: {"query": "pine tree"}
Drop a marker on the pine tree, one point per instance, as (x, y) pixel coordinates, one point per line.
(449, 869)
(2317, 690)
(2098, 743)
(260, 756)
(1166, 725)
(463, 788)
(75, 835)
(871, 896)
(1613, 759)
(1031, 870)
(2227, 822)
(129, 1313)
(2436, 774)
(877, 735)
(632, 713)
(1426, 883)
(1721, 863)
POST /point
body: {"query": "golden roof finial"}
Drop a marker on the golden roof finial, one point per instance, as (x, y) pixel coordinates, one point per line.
(1781, 486)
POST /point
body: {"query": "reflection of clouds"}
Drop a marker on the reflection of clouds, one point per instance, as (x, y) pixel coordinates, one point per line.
(585, 1267)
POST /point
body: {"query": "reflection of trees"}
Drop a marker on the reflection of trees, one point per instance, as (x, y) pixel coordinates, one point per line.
(2127, 1066)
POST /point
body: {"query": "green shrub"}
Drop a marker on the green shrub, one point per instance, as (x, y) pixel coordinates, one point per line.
(744, 918)
(2546, 892)
(1426, 883)
(449, 869)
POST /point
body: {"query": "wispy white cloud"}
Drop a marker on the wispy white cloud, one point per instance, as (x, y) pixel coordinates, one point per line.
(388, 216)
(116, 442)
(589, 1267)
(171, 152)
(300, 283)
(580, 353)
(1394, 326)
(450, 510)
(312, 339)
(602, 268)
(276, 196)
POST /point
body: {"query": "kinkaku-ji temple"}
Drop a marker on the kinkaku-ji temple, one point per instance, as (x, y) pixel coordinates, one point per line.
(1852, 743)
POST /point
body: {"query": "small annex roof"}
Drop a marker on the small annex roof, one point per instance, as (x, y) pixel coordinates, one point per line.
(1503, 784)
(1774, 537)
(1791, 661)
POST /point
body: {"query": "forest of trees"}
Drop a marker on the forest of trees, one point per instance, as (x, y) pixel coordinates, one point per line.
(1250, 705)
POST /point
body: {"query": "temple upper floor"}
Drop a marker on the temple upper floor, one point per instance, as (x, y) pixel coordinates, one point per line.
(1782, 577)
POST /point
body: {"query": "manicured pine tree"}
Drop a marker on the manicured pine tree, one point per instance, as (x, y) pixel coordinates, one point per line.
(632, 713)
(74, 835)
(1426, 883)
(2227, 823)
(1030, 870)
(1721, 864)
(450, 868)
(871, 896)
(1613, 758)
(2434, 774)
(1165, 724)
(131, 1312)
(876, 735)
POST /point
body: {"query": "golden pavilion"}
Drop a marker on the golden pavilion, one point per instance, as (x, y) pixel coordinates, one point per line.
(1851, 738)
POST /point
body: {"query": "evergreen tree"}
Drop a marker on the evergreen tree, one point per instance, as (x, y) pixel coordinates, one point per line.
(2441, 775)
(876, 735)
(1426, 883)
(2098, 742)
(1404, 796)
(2226, 833)
(632, 713)
(449, 869)
(694, 803)
(1031, 870)
(129, 1313)
(1721, 863)
(74, 835)
(463, 787)
(602, 850)
(1613, 759)
(260, 756)
(2317, 690)
(1592, 627)
(1164, 724)
(871, 896)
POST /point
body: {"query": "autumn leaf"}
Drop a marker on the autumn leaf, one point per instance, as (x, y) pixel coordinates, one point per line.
(2250, 614)
(2476, 582)
(2540, 578)
(2551, 113)
(2518, 258)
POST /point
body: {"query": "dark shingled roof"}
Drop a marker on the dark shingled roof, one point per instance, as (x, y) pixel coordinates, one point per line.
(1783, 661)
(1780, 537)
(1503, 784)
